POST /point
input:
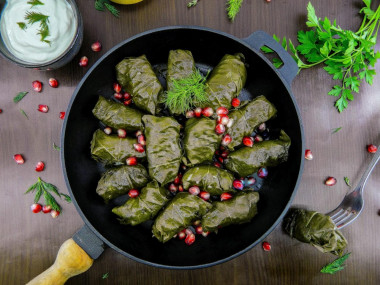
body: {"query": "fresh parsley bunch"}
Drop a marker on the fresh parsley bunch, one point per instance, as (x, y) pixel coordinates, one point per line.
(348, 56)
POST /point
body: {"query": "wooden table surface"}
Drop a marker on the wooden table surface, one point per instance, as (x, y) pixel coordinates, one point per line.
(29, 242)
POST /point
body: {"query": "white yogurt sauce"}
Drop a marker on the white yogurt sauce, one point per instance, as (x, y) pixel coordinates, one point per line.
(26, 44)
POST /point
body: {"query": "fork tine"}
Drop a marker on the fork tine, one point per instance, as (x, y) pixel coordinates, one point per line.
(334, 213)
(340, 215)
(343, 217)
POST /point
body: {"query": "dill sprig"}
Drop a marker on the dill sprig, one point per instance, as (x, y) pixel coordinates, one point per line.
(192, 3)
(186, 93)
(22, 25)
(35, 3)
(35, 17)
(100, 5)
(336, 265)
(233, 8)
(23, 112)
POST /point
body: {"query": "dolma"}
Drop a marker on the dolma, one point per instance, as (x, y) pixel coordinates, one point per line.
(180, 65)
(117, 116)
(163, 149)
(178, 215)
(209, 178)
(119, 180)
(145, 206)
(248, 118)
(136, 75)
(248, 160)
(316, 229)
(112, 150)
(226, 81)
(238, 210)
(200, 140)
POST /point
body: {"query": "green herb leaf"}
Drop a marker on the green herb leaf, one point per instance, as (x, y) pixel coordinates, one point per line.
(19, 96)
(23, 112)
(66, 197)
(56, 147)
(311, 17)
(22, 25)
(336, 265)
(35, 3)
(192, 3)
(112, 9)
(99, 5)
(347, 180)
(105, 276)
(233, 8)
(336, 130)
(34, 17)
(266, 49)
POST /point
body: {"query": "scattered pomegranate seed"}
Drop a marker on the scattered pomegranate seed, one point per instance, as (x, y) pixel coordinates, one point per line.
(127, 96)
(188, 231)
(198, 112)
(235, 102)
(96, 46)
(46, 209)
(238, 184)
(36, 208)
(181, 235)
(190, 239)
(107, 130)
(207, 112)
(330, 181)
(19, 159)
(178, 179)
(266, 246)
(308, 154)
(251, 181)
(141, 140)
(40, 166)
(54, 213)
(220, 129)
(230, 123)
(1, 111)
(226, 140)
(127, 102)
(62, 115)
(262, 172)
(371, 148)
(221, 160)
(173, 188)
(180, 188)
(262, 127)
(199, 230)
(118, 96)
(258, 138)
(217, 164)
(268, 1)
(204, 195)
(131, 160)
(138, 147)
(117, 87)
(223, 119)
(133, 193)
(121, 133)
(248, 141)
(43, 108)
(37, 85)
(53, 82)
(194, 190)
(196, 222)
(138, 133)
(225, 153)
(225, 196)
(190, 114)
(222, 111)
(83, 61)
(205, 234)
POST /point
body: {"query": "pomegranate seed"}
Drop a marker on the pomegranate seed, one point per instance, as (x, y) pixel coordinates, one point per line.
(198, 112)
(46, 209)
(217, 164)
(138, 147)
(138, 133)
(53, 82)
(194, 190)
(37, 85)
(107, 130)
(262, 127)
(188, 231)
(19, 159)
(1, 111)
(173, 188)
(205, 234)
(62, 115)
(40, 166)
(207, 112)
(127, 102)
(180, 188)
(251, 181)
(121, 133)
(258, 138)
(43, 108)
(133, 193)
(118, 96)
(178, 179)
(238, 184)
(36, 208)
(83, 61)
(141, 140)
(190, 114)
(248, 141)
(226, 140)
(266, 246)
(225, 196)
(223, 119)
(197, 223)
(54, 213)
(222, 111)
(221, 160)
(225, 153)
(330, 181)
(181, 235)
(204, 195)
(220, 129)
(371, 148)
(268, 1)
(117, 87)
(230, 123)
(235, 102)
(262, 172)
(199, 230)
(96, 46)
(190, 239)
(127, 96)
(131, 160)
(308, 154)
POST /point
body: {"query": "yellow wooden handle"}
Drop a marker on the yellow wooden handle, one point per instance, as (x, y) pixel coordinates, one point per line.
(71, 260)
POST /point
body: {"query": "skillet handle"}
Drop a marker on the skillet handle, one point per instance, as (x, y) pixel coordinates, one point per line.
(259, 39)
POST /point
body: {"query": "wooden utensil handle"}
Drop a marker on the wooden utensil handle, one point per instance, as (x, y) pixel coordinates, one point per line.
(71, 260)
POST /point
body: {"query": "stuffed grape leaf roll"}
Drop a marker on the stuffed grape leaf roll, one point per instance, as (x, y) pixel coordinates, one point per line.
(209, 178)
(248, 118)
(226, 81)
(200, 140)
(119, 180)
(162, 147)
(316, 229)
(136, 75)
(112, 150)
(145, 206)
(178, 215)
(248, 160)
(117, 116)
(237, 210)
(180, 65)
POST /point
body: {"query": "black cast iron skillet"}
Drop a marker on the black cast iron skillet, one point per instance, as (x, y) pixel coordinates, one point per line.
(82, 173)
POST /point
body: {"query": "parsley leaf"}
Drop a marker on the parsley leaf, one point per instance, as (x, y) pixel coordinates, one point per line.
(336, 265)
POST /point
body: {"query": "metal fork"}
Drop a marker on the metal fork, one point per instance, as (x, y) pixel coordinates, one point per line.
(353, 203)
